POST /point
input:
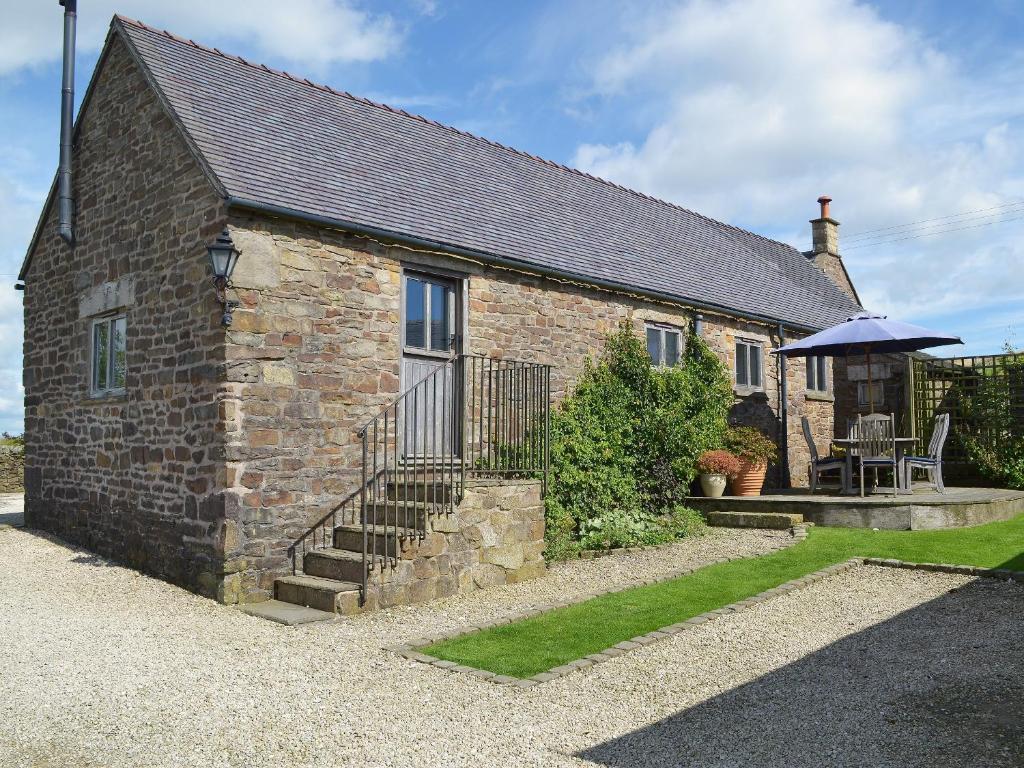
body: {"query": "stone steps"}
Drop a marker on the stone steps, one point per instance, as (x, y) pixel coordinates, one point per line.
(330, 595)
(401, 514)
(350, 537)
(430, 491)
(772, 520)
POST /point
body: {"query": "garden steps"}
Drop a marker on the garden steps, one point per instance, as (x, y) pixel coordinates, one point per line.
(330, 578)
(331, 595)
(769, 520)
(350, 537)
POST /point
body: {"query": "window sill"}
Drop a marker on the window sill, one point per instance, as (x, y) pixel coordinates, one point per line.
(747, 391)
(105, 398)
(824, 397)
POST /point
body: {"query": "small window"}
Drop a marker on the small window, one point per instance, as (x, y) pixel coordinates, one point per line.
(108, 355)
(748, 364)
(878, 390)
(817, 374)
(664, 345)
(429, 314)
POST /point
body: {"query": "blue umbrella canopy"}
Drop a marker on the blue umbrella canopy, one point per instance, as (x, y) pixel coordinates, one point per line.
(865, 333)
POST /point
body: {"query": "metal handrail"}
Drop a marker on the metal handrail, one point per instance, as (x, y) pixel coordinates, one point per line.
(471, 415)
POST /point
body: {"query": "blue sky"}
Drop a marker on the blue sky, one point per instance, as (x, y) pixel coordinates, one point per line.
(742, 110)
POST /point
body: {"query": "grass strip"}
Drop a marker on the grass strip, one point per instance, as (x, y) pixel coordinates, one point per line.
(526, 647)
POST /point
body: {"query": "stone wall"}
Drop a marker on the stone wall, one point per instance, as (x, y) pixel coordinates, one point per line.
(133, 476)
(12, 470)
(314, 353)
(494, 536)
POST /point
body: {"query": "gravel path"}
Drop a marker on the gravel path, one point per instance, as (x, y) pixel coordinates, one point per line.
(104, 667)
(12, 506)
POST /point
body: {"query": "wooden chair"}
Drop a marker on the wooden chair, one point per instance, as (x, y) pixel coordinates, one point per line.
(932, 463)
(820, 465)
(876, 446)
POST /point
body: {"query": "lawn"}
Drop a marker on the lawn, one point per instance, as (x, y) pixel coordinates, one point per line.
(534, 645)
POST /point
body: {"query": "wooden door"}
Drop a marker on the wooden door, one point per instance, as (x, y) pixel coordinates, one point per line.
(430, 338)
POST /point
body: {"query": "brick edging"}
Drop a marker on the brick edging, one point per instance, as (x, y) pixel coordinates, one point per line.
(410, 649)
(964, 570)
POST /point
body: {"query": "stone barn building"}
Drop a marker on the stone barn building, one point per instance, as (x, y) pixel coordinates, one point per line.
(375, 246)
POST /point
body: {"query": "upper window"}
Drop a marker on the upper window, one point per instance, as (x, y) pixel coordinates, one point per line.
(429, 314)
(664, 344)
(108, 355)
(748, 364)
(817, 374)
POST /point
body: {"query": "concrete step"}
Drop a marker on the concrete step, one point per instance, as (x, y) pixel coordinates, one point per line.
(350, 537)
(774, 520)
(434, 492)
(288, 614)
(330, 595)
(334, 564)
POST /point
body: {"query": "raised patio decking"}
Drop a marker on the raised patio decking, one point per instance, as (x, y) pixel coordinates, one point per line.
(922, 510)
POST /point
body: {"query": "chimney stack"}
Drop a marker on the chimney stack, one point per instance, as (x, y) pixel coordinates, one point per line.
(824, 253)
(825, 230)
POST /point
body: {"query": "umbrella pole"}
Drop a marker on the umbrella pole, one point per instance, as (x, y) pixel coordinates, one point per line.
(871, 387)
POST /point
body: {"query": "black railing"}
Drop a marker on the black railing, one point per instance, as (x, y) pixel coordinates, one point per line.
(470, 416)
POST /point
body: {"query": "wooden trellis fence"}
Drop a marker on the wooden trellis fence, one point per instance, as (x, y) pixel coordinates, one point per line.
(984, 396)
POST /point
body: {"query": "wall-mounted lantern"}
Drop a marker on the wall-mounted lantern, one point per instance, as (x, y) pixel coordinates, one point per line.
(223, 257)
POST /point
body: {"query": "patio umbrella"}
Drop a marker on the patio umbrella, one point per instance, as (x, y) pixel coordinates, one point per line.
(865, 333)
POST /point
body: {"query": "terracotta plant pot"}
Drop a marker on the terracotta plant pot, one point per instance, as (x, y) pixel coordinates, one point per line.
(713, 486)
(750, 479)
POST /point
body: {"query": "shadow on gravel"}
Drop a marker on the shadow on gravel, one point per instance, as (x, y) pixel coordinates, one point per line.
(939, 685)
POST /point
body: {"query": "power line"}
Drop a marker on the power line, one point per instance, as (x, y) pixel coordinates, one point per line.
(935, 229)
(869, 232)
(928, 234)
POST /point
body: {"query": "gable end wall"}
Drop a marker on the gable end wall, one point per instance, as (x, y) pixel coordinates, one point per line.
(133, 477)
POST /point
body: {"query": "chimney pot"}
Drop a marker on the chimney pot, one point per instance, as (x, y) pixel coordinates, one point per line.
(823, 201)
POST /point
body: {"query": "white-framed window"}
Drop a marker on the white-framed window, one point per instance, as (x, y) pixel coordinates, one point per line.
(878, 388)
(664, 344)
(817, 374)
(107, 355)
(748, 364)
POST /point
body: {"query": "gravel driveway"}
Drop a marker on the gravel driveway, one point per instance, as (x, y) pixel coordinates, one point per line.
(879, 667)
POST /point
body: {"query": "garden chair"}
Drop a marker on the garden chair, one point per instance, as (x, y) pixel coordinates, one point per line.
(876, 446)
(820, 465)
(932, 463)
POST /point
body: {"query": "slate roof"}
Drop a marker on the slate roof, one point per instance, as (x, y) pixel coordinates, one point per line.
(274, 139)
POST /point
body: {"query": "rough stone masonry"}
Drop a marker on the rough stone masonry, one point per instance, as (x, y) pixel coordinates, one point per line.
(225, 445)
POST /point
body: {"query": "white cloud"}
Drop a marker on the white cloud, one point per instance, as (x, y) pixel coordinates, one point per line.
(749, 109)
(312, 33)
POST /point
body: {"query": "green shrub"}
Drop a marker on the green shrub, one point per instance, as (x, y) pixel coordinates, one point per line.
(625, 443)
(751, 445)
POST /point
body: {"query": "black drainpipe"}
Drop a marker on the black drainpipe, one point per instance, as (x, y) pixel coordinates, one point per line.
(65, 203)
(783, 414)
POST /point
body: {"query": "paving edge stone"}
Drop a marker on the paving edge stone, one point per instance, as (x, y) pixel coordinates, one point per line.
(410, 648)
(962, 570)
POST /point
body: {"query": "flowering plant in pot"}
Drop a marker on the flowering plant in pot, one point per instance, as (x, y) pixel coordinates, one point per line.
(714, 467)
(754, 449)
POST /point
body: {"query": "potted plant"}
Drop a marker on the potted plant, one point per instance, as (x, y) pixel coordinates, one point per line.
(714, 468)
(754, 449)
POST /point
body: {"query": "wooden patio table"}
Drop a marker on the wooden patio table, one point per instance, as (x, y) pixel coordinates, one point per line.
(902, 443)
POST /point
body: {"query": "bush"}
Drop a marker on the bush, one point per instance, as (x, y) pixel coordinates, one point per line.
(718, 463)
(751, 445)
(625, 444)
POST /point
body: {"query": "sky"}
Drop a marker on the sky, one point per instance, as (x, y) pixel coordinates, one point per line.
(743, 110)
